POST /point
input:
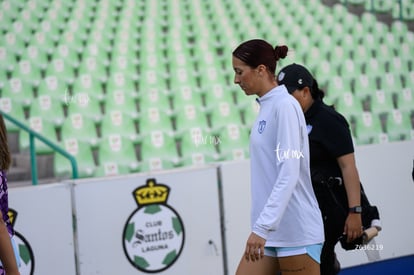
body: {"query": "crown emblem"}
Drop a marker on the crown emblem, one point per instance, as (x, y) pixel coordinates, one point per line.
(151, 193)
(12, 215)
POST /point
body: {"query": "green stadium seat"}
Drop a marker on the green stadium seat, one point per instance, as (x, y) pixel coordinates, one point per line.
(28, 71)
(407, 10)
(374, 66)
(369, 130)
(158, 151)
(18, 89)
(197, 147)
(13, 42)
(49, 109)
(405, 99)
(63, 70)
(123, 63)
(118, 100)
(83, 154)
(399, 125)
(155, 118)
(398, 64)
(249, 111)
(349, 105)
(184, 95)
(365, 84)
(36, 56)
(338, 83)
(7, 60)
(93, 66)
(349, 68)
(382, 6)
(81, 128)
(155, 97)
(42, 127)
(14, 109)
(391, 82)
(234, 143)
(217, 92)
(117, 155)
(68, 54)
(115, 122)
(122, 81)
(222, 114)
(84, 103)
(189, 116)
(381, 102)
(56, 88)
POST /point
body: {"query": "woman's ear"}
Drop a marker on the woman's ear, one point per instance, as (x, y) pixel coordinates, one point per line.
(306, 92)
(261, 69)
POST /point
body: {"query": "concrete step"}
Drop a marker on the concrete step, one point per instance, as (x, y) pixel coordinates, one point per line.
(18, 174)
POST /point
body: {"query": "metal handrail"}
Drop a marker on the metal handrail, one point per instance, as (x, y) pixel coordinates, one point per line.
(32, 135)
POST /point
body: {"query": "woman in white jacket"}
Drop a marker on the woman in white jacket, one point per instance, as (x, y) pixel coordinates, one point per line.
(287, 228)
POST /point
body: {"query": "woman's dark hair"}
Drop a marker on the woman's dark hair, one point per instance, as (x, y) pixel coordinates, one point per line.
(256, 52)
(5, 158)
(316, 92)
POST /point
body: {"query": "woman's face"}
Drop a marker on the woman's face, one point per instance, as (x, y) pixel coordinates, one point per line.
(246, 77)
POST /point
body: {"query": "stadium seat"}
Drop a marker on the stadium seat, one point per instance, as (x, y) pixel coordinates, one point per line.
(233, 143)
(189, 116)
(91, 65)
(391, 82)
(85, 98)
(369, 130)
(405, 99)
(223, 114)
(349, 105)
(122, 81)
(158, 151)
(117, 155)
(12, 108)
(19, 90)
(365, 84)
(42, 127)
(399, 125)
(79, 127)
(118, 100)
(381, 102)
(154, 118)
(249, 111)
(61, 69)
(7, 60)
(83, 155)
(47, 107)
(197, 147)
(115, 122)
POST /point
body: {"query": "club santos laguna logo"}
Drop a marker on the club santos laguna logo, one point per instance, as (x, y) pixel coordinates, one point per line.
(153, 236)
(26, 254)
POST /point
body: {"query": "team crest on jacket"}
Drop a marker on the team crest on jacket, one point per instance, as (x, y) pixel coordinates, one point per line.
(262, 126)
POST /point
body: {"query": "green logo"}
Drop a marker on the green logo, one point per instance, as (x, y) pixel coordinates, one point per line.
(153, 235)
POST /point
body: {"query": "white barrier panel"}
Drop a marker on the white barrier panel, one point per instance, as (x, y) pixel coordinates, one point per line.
(166, 223)
(235, 177)
(42, 219)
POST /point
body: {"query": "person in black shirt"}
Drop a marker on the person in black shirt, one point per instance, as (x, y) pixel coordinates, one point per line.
(331, 156)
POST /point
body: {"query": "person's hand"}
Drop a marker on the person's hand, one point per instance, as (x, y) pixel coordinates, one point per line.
(254, 247)
(353, 226)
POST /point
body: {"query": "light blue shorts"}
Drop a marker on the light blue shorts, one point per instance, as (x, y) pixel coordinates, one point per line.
(313, 250)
